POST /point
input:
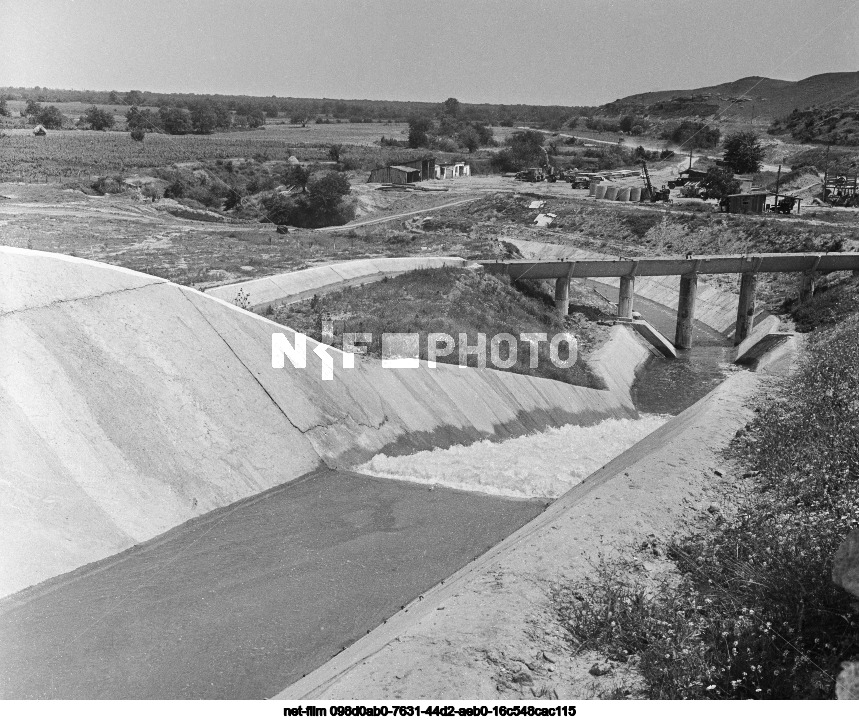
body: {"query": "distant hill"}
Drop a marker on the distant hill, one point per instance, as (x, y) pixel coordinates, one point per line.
(747, 97)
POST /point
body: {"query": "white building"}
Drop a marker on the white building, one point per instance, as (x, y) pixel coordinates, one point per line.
(452, 170)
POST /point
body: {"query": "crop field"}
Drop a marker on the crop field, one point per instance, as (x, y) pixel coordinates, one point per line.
(72, 153)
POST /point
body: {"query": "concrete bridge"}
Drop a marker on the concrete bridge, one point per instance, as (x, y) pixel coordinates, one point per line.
(810, 265)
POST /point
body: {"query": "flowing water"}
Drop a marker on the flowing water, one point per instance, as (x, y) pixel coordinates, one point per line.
(540, 465)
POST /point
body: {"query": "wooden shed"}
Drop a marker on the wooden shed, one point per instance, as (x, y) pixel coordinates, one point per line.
(746, 203)
(396, 174)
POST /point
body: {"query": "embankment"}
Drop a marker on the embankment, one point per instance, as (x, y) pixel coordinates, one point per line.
(301, 284)
(129, 405)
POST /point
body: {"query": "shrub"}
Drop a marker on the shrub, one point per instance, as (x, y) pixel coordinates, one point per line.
(99, 119)
(51, 117)
(108, 184)
(754, 613)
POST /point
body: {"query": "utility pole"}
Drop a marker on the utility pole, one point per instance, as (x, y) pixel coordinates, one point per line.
(826, 172)
(777, 179)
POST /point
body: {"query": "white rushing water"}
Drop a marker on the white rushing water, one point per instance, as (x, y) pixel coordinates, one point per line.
(541, 465)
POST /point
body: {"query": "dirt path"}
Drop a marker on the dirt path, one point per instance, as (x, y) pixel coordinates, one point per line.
(488, 632)
(397, 216)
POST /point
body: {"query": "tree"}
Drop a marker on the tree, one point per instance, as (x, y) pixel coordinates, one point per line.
(469, 138)
(744, 152)
(99, 119)
(204, 119)
(138, 134)
(51, 117)
(33, 108)
(335, 151)
(176, 121)
(145, 120)
(256, 118)
(113, 97)
(626, 123)
(418, 129)
(720, 182)
(4, 110)
(133, 97)
(450, 107)
(296, 175)
(325, 193)
(527, 148)
(697, 135)
(324, 203)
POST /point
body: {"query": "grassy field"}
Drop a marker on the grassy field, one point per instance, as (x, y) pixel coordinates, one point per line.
(69, 153)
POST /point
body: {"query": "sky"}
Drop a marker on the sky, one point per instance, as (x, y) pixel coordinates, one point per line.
(573, 52)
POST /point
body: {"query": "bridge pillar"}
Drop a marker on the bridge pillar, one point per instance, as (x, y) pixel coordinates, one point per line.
(746, 307)
(686, 310)
(627, 292)
(562, 296)
(806, 287)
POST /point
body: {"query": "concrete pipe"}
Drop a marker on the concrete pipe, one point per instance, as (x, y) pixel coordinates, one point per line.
(592, 188)
(611, 192)
(623, 194)
(600, 191)
(635, 195)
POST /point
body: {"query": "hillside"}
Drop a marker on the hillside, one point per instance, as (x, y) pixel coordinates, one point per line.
(746, 98)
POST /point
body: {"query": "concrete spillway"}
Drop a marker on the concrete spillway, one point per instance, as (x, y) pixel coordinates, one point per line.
(131, 405)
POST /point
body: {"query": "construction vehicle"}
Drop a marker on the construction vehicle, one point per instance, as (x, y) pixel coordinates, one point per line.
(687, 176)
(784, 206)
(550, 174)
(535, 175)
(663, 194)
(582, 181)
(530, 175)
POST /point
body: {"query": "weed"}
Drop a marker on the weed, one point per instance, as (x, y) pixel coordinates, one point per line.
(242, 299)
(753, 612)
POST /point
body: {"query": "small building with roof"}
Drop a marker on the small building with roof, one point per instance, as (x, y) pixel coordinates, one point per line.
(745, 203)
(406, 171)
(446, 171)
(395, 174)
(40, 130)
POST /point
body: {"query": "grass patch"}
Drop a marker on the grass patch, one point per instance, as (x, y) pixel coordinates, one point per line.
(829, 306)
(452, 301)
(752, 611)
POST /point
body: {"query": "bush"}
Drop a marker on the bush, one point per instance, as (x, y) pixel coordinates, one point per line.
(99, 119)
(108, 184)
(51, 117)
(325, 203)
(754, 613)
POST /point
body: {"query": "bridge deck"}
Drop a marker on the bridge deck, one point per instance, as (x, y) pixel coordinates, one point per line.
(708, 264)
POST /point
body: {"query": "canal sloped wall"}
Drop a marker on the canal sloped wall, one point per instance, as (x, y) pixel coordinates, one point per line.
(129, 405)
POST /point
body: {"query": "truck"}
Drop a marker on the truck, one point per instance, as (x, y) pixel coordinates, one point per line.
(530, 175)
